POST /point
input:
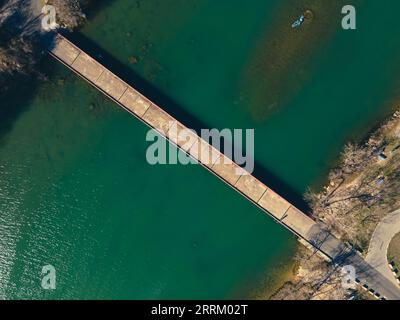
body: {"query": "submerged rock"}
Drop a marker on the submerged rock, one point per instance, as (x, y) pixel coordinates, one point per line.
(133, 60)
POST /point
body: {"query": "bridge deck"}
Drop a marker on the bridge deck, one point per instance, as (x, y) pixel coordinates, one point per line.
(155, 117)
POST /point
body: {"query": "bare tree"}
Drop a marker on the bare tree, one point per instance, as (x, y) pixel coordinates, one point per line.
(20, 34)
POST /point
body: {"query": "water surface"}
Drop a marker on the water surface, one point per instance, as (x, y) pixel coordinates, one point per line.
(76, 190)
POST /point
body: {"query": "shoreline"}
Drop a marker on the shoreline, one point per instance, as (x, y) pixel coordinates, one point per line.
(295, 275)
(289, 274)
(360, 163)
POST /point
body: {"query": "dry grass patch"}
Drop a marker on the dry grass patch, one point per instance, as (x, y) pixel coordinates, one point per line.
(394, 250)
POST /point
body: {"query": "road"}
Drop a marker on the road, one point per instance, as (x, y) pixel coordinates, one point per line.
(379, 245)
(342, 255)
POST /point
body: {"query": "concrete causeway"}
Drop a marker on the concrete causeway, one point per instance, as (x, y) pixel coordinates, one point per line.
(312, 233)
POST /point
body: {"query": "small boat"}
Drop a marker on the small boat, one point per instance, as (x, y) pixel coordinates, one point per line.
(298, 22)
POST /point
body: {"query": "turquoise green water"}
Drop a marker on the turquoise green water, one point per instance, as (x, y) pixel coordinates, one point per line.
(76, 190)
(78, 193)
(347, 78)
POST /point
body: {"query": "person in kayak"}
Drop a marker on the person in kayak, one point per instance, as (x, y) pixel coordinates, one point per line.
(298, 22)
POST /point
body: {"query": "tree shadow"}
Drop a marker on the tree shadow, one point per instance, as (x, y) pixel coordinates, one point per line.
(20, 88)
(18, 92)
(281, 187)
(13, 103)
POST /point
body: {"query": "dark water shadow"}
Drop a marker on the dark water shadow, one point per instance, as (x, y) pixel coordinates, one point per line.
(281, 187)
(13, 103)
(173, 108)
(92, 7)
(138, 82)
(20, 90)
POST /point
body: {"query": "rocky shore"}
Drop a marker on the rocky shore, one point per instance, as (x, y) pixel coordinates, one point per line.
(361, 190)
(21, 37)
(364, 187)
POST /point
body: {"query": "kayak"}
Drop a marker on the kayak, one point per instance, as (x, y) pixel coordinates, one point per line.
(298, 22)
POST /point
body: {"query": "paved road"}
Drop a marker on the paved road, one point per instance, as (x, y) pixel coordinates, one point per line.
(342, 254)
(379, 245)
(374, 278)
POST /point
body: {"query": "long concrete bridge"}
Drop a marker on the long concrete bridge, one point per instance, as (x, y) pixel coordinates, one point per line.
(311, 233)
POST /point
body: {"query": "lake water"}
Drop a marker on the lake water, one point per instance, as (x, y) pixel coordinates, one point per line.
(76, 191)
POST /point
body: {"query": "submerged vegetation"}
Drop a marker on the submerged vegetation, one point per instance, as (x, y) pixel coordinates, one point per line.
(282, 62)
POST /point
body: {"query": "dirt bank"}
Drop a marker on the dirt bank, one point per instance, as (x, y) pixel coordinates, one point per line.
(361, 191)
